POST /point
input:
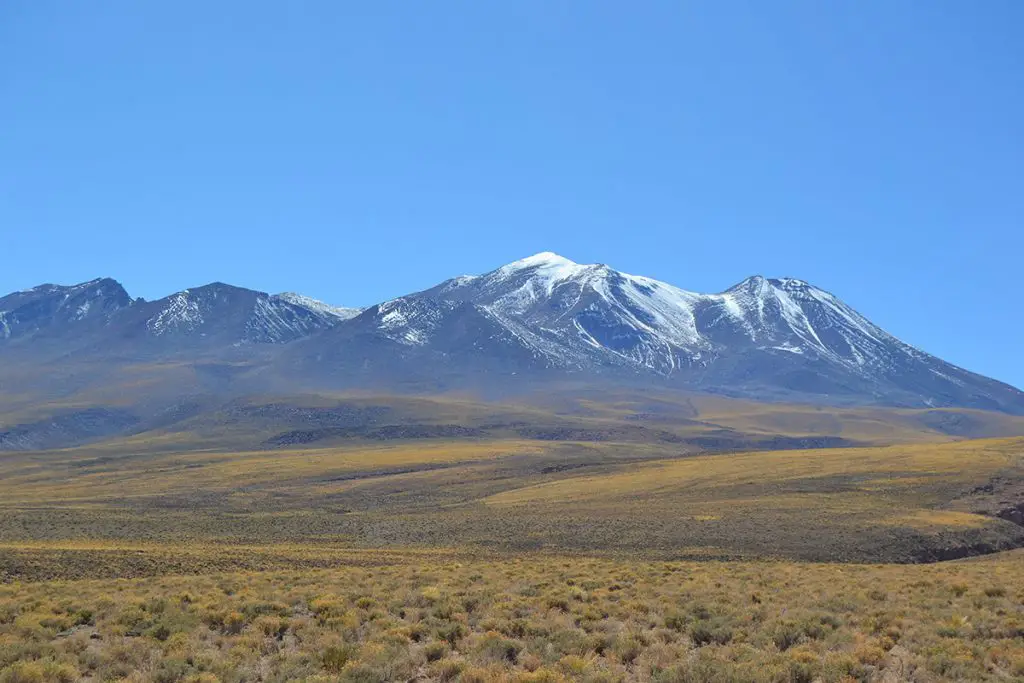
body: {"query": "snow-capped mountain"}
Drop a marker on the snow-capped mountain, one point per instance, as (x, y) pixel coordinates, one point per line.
(762, 337)
(537, 319)
(568, 313)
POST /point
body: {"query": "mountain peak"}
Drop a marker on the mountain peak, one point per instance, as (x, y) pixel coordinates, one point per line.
(753, 284)
(218, 287)
(49, 306)
(791, 284)
(543, 259)
(51, 287)
(758, 284)
(98, 287)
(545, 270)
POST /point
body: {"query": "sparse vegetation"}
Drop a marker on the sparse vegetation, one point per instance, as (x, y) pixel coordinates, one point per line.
(898, 503)
(901, 503)
(530, 618)
(510, 559)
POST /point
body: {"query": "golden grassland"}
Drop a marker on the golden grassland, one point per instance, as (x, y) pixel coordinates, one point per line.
(215, 471)
(895, 485)
(441, 616)
(906, 503)
(903, 468)
(171, 556)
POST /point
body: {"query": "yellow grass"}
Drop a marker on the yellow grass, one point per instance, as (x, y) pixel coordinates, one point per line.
(399, 616)
(941, 463)
(936, 519)
(208, 471)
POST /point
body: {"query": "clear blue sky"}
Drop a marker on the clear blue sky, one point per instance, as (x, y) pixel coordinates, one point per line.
(358, 151)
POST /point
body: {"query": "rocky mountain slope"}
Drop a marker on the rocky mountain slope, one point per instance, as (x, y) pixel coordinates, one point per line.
(52, 309)
(546, 315)
(538, 319)
(102, 313)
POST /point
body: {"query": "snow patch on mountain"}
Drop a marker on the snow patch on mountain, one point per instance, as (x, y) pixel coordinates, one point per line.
(317, 306)
(83, 310)
(276, 321)
(409, 321)
(182, 313)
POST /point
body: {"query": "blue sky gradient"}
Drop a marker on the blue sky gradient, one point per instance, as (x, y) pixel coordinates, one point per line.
(359, 151)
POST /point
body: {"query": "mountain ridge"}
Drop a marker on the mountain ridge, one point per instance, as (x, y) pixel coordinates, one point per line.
(527, 321)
